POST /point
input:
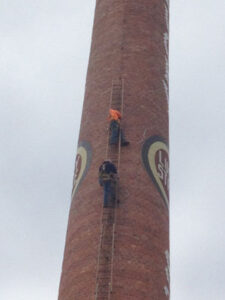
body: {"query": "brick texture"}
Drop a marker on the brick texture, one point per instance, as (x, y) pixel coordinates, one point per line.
(129, 41)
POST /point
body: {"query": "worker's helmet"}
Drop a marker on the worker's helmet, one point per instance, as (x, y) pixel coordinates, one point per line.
(107, 161)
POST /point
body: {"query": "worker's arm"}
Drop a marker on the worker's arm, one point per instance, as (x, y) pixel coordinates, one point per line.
(119, 114)
(114, 170)
(114, 177)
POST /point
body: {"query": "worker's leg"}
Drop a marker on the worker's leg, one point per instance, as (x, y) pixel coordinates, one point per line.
(107, 192)
(124, 142)
(114, 128)
(113, 192)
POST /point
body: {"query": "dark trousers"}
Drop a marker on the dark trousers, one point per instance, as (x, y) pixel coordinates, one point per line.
(109, 192)
(116, 131)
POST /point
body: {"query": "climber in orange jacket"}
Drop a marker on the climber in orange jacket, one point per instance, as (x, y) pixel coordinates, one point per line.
(115, 118)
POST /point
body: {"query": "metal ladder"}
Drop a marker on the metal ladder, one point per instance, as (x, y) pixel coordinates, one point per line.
(104, 273)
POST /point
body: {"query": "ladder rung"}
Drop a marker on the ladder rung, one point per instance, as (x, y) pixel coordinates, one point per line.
(104, 271)
(103, 285)
(107, 241)
(104, 276)
(116, 106)
(105, 254)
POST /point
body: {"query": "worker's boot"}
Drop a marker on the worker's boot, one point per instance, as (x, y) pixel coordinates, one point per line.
(123, 140)
(125, 143)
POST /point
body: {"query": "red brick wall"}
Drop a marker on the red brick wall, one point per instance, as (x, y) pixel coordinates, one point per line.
(128, 41)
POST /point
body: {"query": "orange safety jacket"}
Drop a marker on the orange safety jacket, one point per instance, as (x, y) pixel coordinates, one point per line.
(114, 115)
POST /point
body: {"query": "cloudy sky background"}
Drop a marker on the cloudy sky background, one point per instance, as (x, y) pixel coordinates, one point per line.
(43, 61)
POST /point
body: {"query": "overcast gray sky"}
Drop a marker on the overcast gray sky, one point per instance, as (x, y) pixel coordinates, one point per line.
(43, 61)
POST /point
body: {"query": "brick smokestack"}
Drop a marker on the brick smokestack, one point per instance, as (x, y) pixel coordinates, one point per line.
(129, 45)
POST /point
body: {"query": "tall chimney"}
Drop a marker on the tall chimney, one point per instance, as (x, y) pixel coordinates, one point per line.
(122, 252)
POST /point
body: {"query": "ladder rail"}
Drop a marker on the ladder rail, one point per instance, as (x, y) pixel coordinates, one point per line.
(107, 142)
(99, 251)
(122, 98)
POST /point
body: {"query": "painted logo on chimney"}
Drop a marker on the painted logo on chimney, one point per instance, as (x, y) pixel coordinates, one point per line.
(82, 164)
(155, 157)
